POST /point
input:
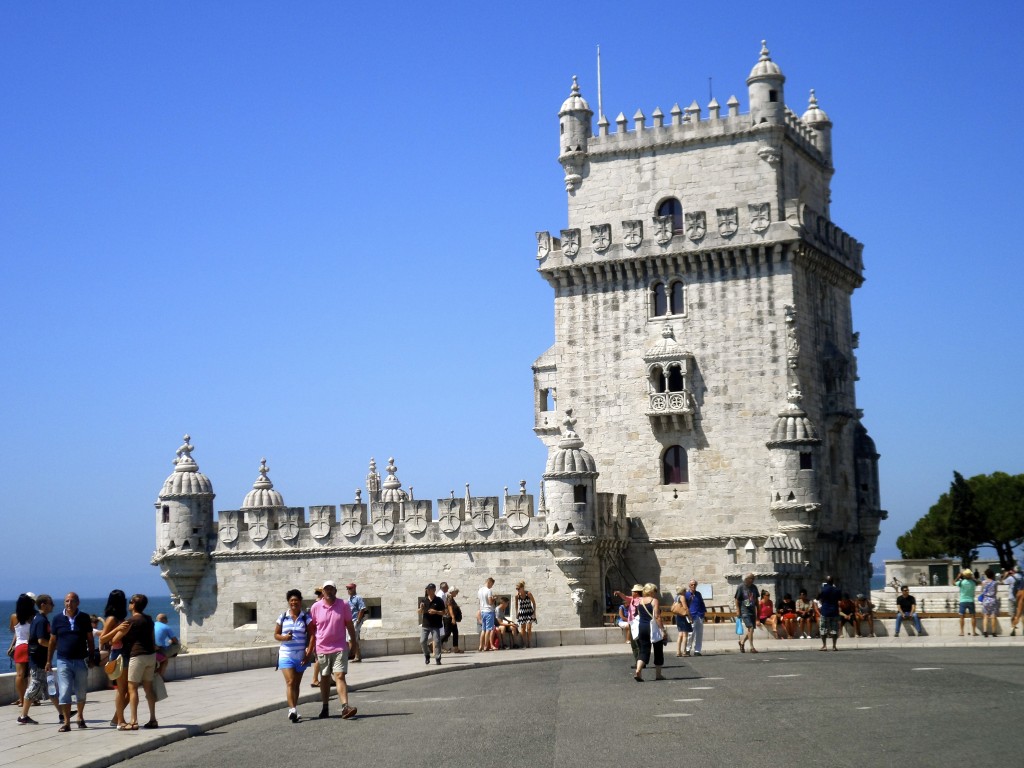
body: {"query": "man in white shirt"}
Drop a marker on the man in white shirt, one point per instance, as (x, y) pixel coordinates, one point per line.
(486, 614)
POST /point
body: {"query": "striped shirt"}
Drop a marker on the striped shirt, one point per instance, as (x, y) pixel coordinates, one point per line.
(296, 647)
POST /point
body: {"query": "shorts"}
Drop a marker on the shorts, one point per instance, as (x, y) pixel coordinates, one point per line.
(36, 683)
(141, 668)
(966, 608)
(332, 663)
(292, 662)
(72, 680)
(990, 607)
(829, 625)
(21, 653)
(487, 621)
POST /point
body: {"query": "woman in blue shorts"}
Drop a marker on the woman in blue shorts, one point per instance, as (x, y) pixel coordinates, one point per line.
(291, 658)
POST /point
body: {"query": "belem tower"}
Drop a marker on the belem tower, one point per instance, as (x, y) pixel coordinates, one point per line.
(697, 405)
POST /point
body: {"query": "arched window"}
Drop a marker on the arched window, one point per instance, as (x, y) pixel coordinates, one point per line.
(676, 298)
(658, 379)
(673, 466)
(675, 379)
(672, 207)
(659, 300)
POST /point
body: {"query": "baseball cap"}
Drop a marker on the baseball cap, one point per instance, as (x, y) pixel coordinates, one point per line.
(330, 584)
(350, 586)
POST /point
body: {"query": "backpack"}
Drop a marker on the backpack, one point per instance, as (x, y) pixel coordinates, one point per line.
(303, 616)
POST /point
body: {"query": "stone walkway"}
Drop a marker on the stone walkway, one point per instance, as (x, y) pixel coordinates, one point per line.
(202, 704)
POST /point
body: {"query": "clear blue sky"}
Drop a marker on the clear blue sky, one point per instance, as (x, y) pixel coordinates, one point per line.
(305, 231)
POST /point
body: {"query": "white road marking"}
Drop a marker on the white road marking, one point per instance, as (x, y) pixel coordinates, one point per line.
(796, 675)
(687, 701)
(924, 669)
(676, 714)
(863, 707)
(702, 688)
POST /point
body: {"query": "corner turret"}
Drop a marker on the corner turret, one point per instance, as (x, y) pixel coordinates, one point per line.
(816, 119)
(184, 509)
(574, 130)
(767, 104)
(185, 532)
(569, 485)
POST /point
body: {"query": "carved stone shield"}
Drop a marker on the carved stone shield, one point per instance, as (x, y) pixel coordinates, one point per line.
(289, 526)
(259, 525)
(483, 512)
(696, 225)
(417, 516)
(450, 514)
(518, 511)
(320, 521)
(543, 245)
(383, 516)
(229, 527)
(600, 237)
(570, 242)
(352, 518)
(760, 216)
(632, 233)
(663, 229)
(728, 221)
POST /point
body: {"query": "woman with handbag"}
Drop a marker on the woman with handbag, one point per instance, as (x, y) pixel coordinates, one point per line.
(650, 633)
(681, 613)
(115, 612)
(526, 613)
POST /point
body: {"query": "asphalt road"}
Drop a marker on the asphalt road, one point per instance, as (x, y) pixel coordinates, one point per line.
(928, 707)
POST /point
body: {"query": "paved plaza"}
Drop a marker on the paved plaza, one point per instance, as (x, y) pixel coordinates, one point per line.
(868, 704)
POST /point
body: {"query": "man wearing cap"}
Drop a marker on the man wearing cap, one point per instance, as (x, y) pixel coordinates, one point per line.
(357, 605)
(431, 610)
(331, 619)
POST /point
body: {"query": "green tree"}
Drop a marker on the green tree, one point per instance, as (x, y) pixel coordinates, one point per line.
(986, 510)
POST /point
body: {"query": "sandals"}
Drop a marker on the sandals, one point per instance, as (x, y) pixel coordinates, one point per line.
(81, 724)
(128, 727)
(151, 724)
(64, 728)
(638, 678)
(753, 650)
(743, 648)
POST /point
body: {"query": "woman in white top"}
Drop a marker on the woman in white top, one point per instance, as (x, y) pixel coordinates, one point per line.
(21, 622)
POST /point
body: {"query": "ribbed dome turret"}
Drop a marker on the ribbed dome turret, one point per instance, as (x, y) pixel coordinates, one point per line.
(765, 67)
(569, 458)
(392, 485)
(263, 493)
(792, 426)
(186, 480)
(575, 102)
(815, 115)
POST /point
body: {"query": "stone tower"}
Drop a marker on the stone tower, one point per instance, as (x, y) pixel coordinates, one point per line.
(185, 531)
(704, 338)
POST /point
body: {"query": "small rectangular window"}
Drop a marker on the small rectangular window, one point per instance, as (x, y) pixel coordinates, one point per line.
(806, 461)
(545, 400)
(166, 513)
(244, 615)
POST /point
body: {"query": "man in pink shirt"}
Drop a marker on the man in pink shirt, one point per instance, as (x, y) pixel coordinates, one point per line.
(331, 619)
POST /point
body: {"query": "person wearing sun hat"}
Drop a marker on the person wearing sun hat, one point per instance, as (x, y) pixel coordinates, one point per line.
(631, 601)
(967, 585)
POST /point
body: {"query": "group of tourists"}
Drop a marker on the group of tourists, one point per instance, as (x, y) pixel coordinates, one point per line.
(52, 657)
(969, 585)
(327, 634)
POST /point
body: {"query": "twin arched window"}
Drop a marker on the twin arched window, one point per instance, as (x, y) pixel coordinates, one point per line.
(668, 299)
(674, 469)
(673, 382)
